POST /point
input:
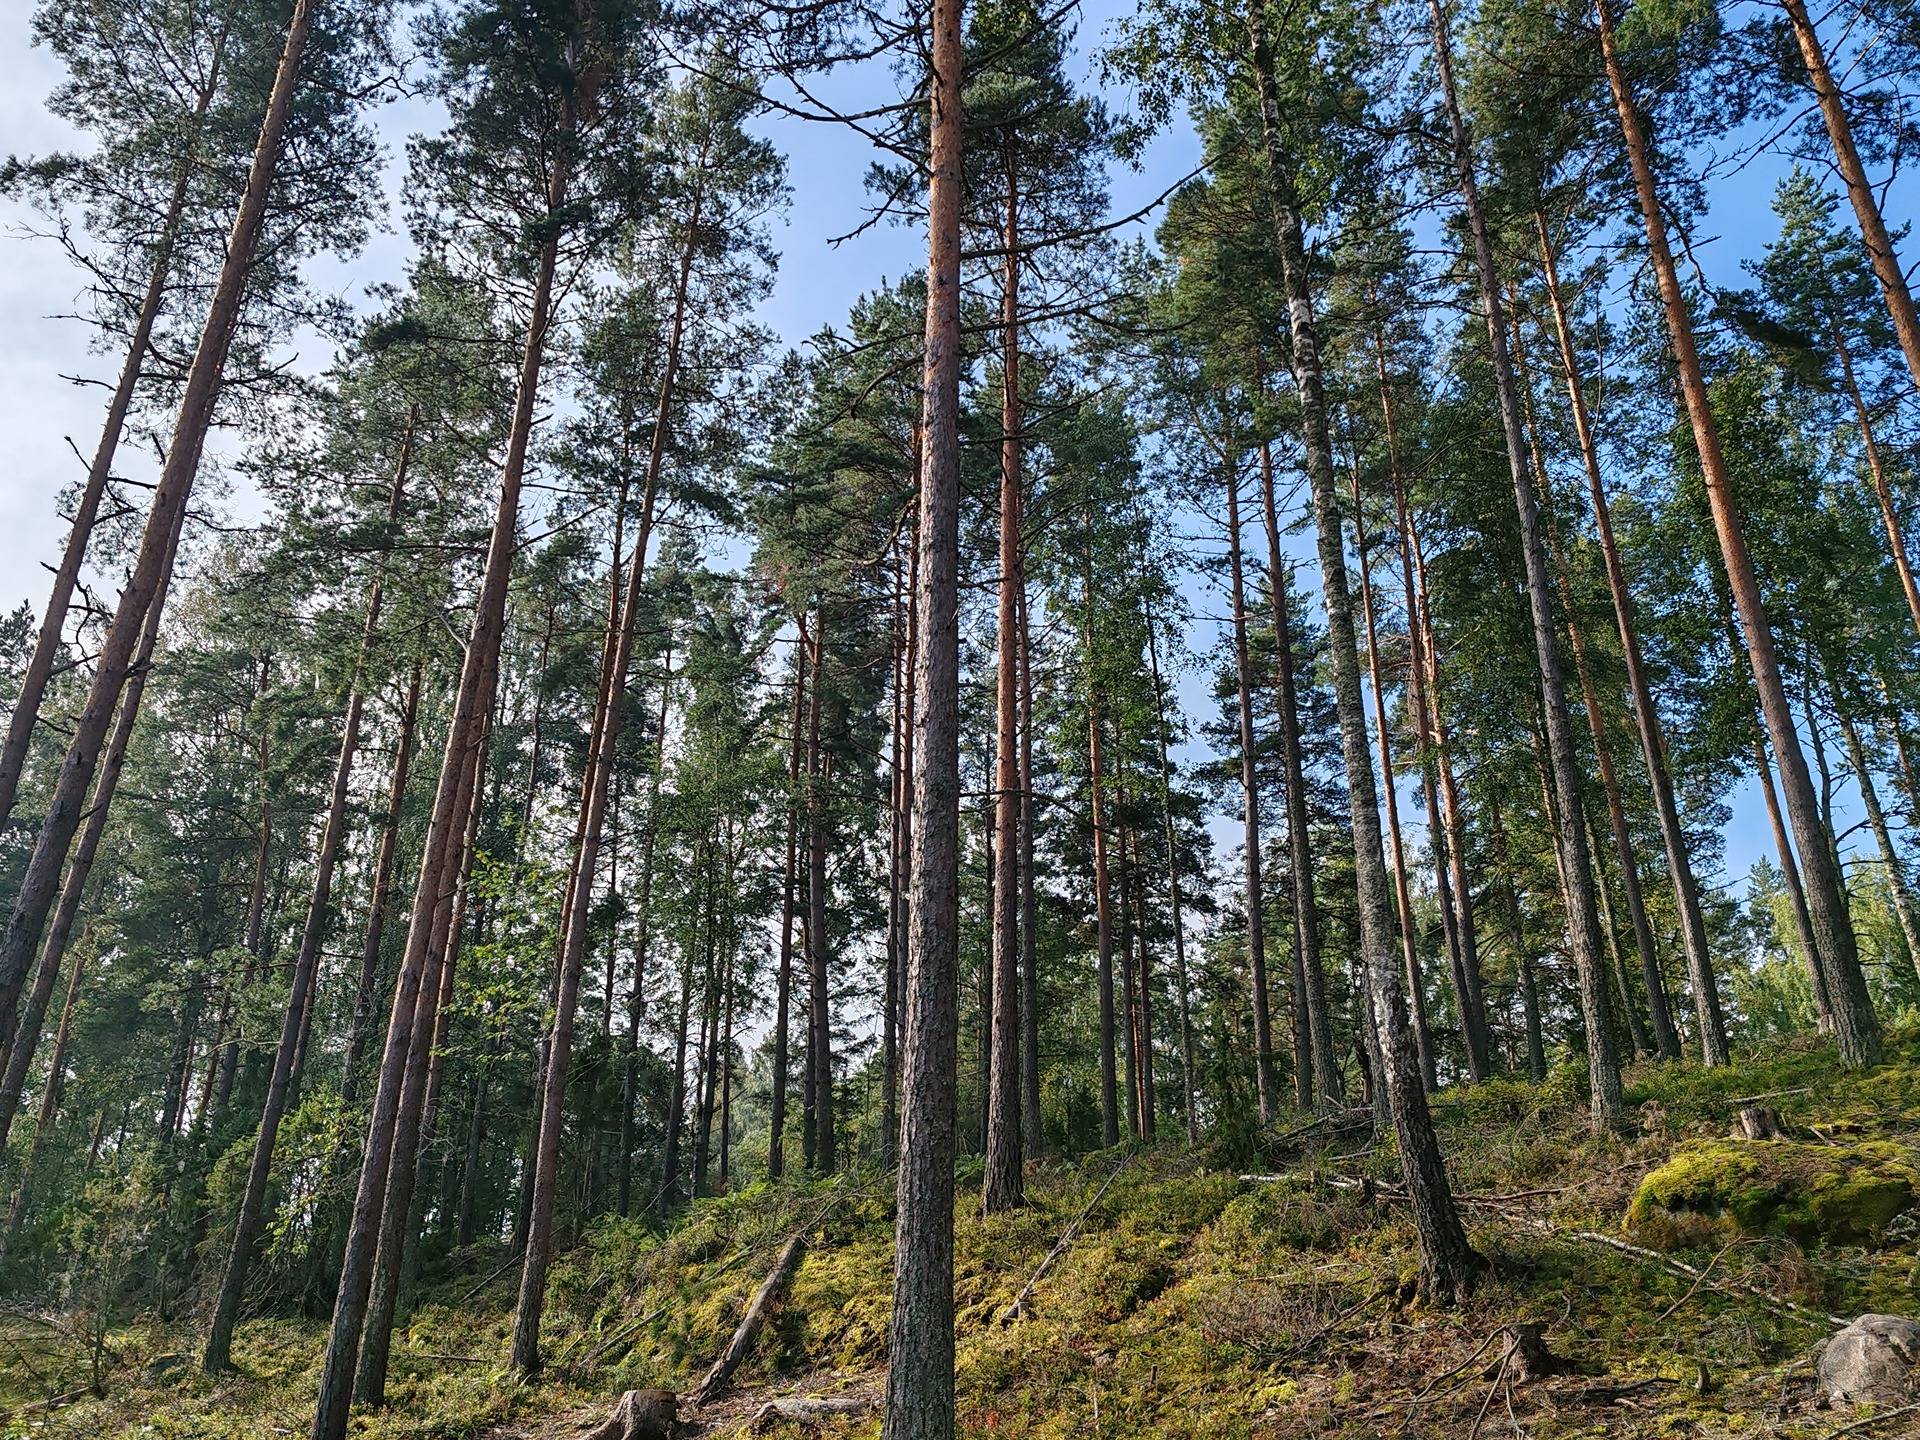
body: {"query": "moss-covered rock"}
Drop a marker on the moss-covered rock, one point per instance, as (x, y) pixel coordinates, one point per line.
(1816, 1194)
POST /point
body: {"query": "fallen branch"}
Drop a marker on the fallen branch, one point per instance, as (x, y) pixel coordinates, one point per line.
(811, 1412)
(1872, 1420)
(1700, 1280)
(749, 1327)
(1677, 1267)
(1019, 1306)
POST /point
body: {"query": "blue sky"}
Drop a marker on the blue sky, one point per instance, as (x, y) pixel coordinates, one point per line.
(40, 408)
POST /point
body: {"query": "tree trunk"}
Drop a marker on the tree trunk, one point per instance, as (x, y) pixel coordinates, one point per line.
(419, 1088)
(1897, 887)
(636, 1000)
(1873, 228)
(920, 1330)
(153, 559)
(1464, 953)
(1001, 1188)
(1855, 1025)
(1448, 1263)
(525, 1357)
(1666, 1041)
(473, 701)
(1583, 921)
(1309, 977)
(783, 983)
(1653, 744)
(1429, 738)
(49, 1104)
(1876, 468)
(1188, 1075)
(46, 646)
(1250, 808)
(1522, 957)
(1031, 1138)
(1102, 881)
(819, 995)
(19, 1054)
(217, 1354)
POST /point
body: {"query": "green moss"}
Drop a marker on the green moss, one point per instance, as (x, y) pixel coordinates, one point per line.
(1815, 1194)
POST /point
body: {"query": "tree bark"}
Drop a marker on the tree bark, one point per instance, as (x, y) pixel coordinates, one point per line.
(1877, 470)
(1846, 155)
(1897, 888)
(153, 559)
(1031, 1137)
(525, 1357)
(783, 982)
(1583, 921)
(1001, 1187)
(1102, 880)
(920, 1382)
(46, 646)
(473, 701)
(636, 999)
(1856, 1027)
(49, 1105)
(19, 1054)
(1309, 975)
(418, 1086)
(1448, 1264)
(1189, 1106)
(819, 993)
(1429, 738)
(1666, 1040)
(217, 1353)
(1653, 744)
(1269, 1093)
(1464, 954)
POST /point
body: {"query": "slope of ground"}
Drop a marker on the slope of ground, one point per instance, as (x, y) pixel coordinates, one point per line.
(1205, 1294)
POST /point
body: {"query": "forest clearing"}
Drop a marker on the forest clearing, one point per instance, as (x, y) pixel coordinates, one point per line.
(1268, 792)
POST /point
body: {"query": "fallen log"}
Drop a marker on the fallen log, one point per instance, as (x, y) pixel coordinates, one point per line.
(748, 1329)
(811, 1411)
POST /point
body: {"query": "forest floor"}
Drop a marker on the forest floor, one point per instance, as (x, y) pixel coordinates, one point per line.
(1207, 1293)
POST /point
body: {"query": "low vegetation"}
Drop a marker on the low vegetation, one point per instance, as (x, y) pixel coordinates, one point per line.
(1219, 1291)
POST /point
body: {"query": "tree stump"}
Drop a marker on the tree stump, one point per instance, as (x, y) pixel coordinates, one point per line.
(1759, 1122)
(640, 1415)
(1525, 1356)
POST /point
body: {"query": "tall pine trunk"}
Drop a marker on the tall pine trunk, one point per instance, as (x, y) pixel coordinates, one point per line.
(920, 1329)
(1189, 1108)
(1653, 745)
(73, 889)
(1321, 1073)
(217, 1353)
(1448, 1264)
(1605, 1097)
(473, 700)
(46, 645)
(819, 991)
(1856, 1027)
(1846, 156)
(153, 558)
(1268, 1090)
(1665, 1040)
(1102, 878)
(1001, 1188)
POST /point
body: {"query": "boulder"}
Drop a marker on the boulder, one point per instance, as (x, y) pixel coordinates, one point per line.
(1711, 1190)
(1873, 1359)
